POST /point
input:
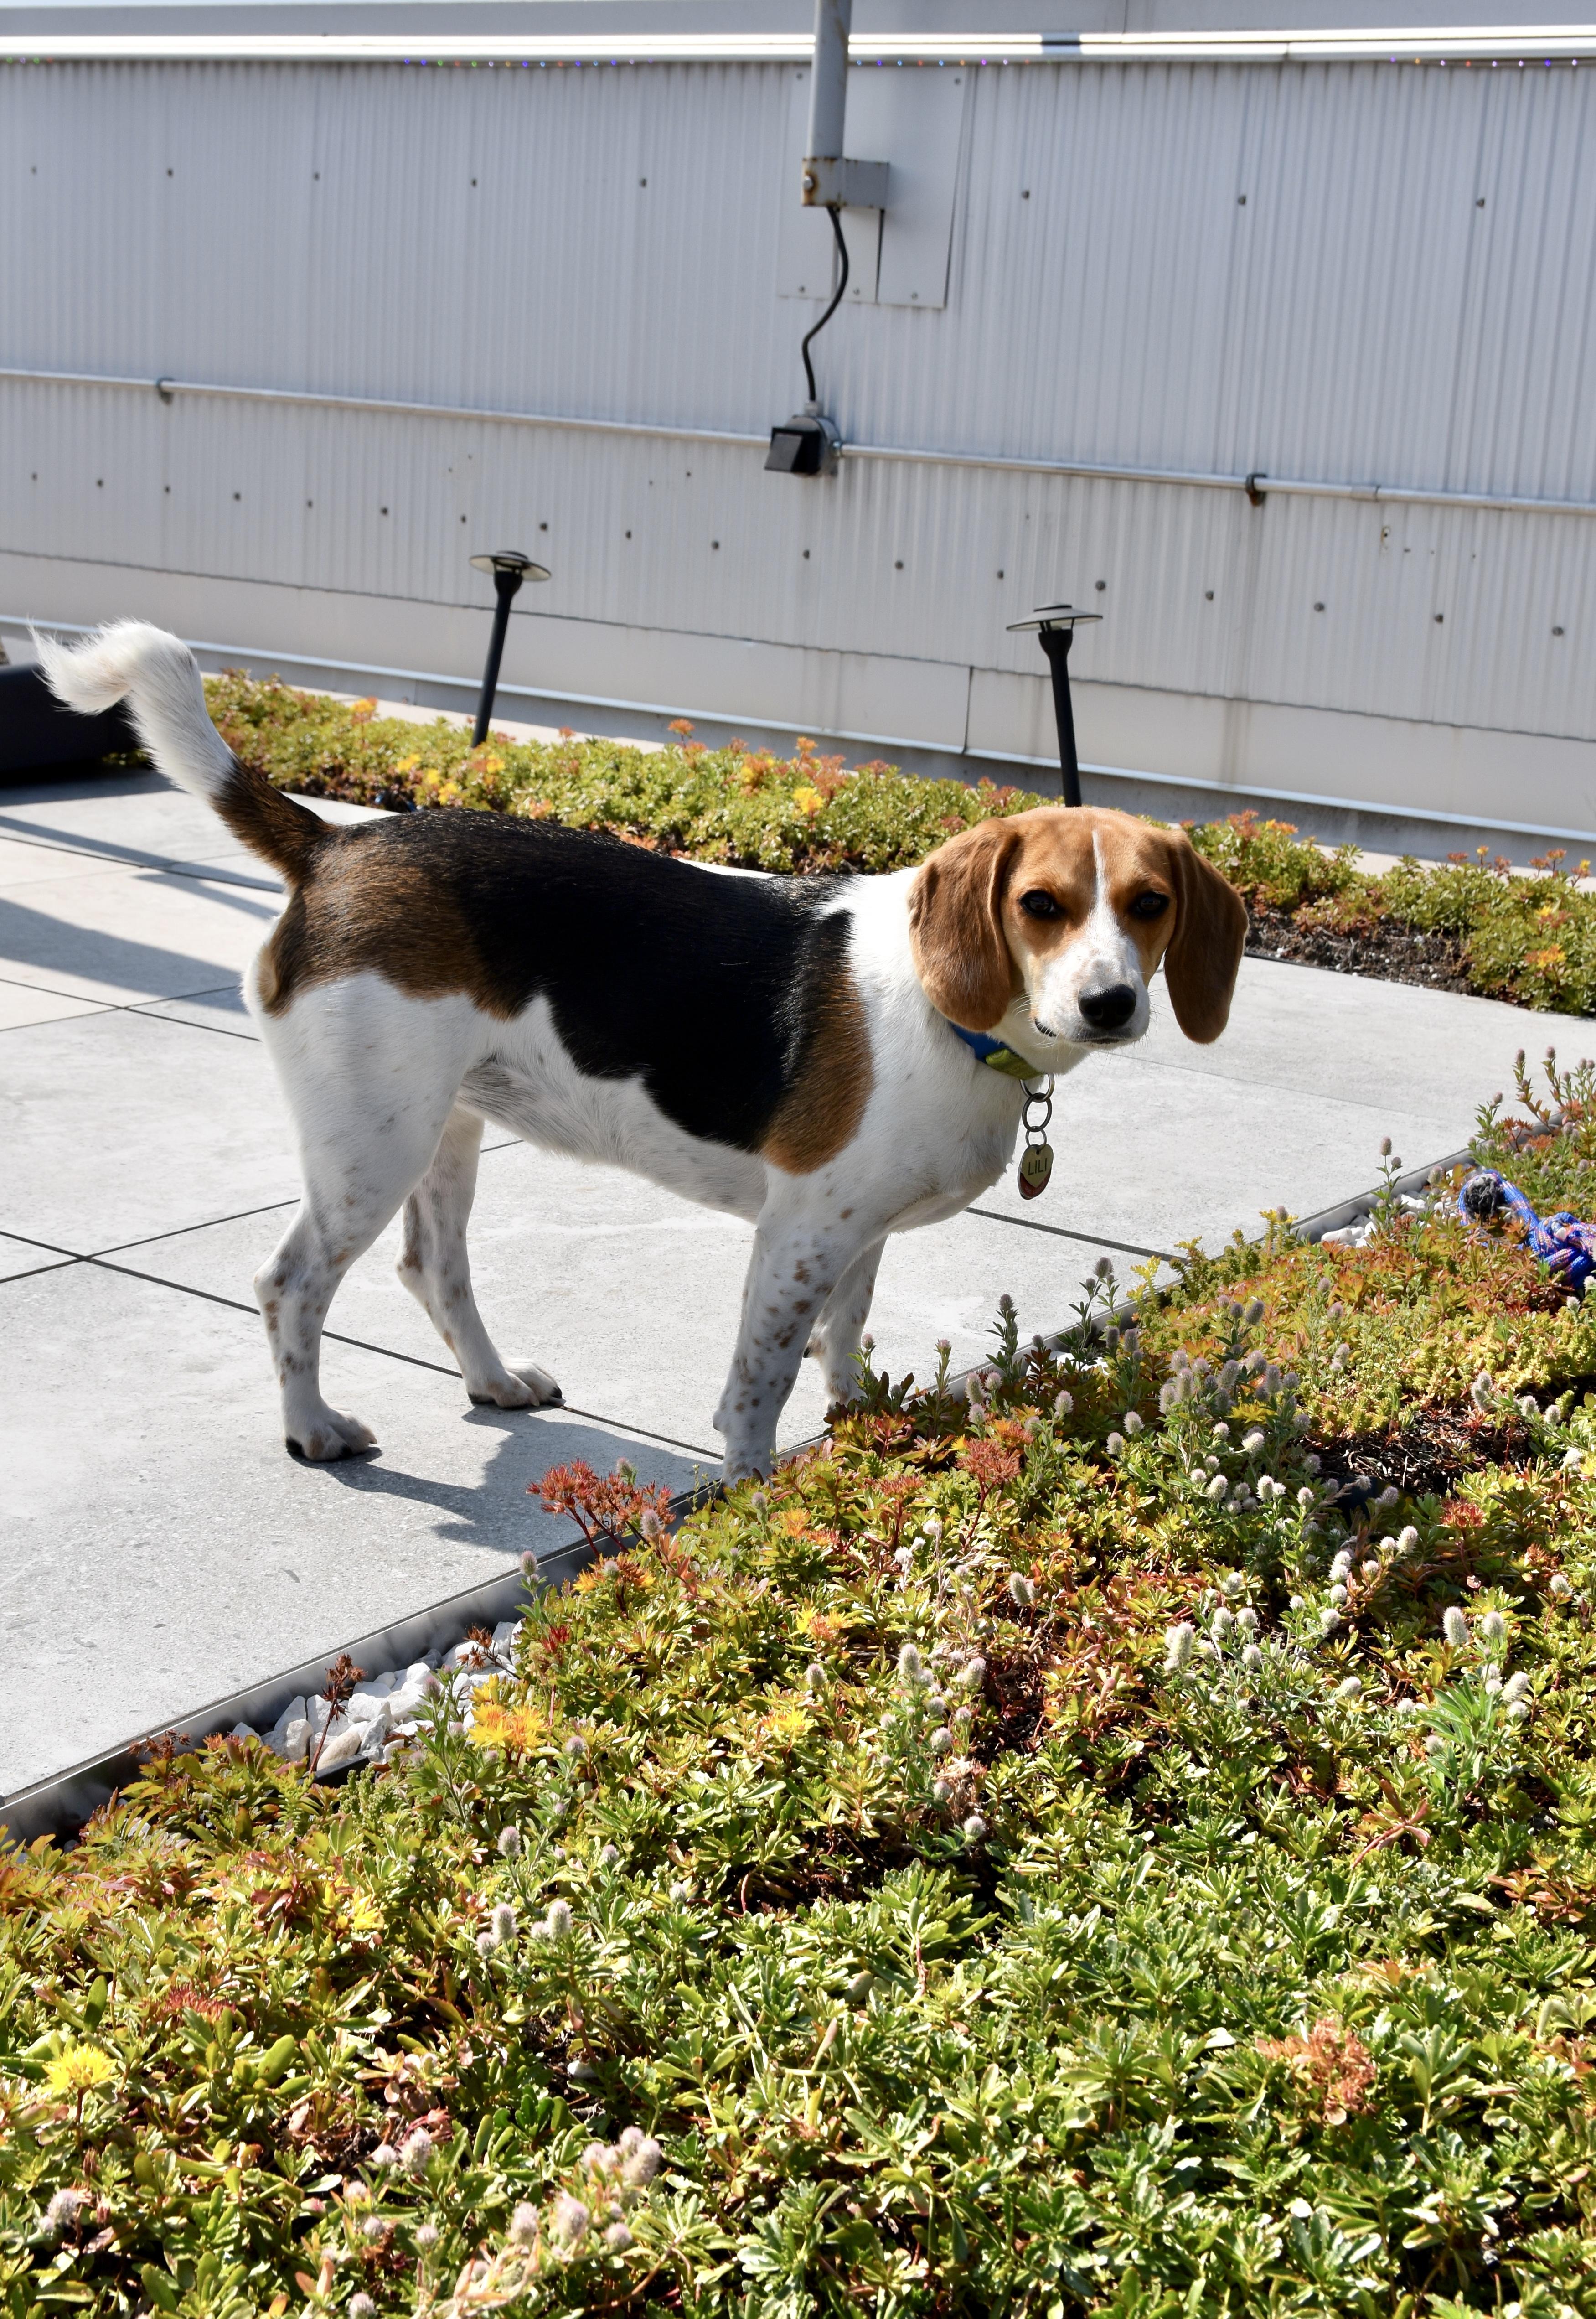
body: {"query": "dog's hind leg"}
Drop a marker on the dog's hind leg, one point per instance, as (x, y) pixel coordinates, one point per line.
(835, 1343)
(435, 1268)
(370, 1091)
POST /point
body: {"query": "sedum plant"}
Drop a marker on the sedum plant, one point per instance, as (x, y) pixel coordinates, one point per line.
(1115, 1839)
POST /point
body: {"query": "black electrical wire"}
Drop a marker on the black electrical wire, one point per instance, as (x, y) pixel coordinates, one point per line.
(836, 226)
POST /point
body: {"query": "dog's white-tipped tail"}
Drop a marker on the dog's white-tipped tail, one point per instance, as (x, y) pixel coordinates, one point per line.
(159, 679)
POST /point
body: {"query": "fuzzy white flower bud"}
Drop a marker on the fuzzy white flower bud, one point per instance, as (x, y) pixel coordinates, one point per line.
(523, 2225)
(1252, 1659)
(568, 2221)
(1220, 1625)
(1218, 1489)
(1115, 1445)
(361, 2306)
(975, 1828)
(1560, 1588)
(426, 2237)
(641, 2163)
(1177, 1647)
(1455, 1626)
(1132, 1423)
(1494, 1629)
(680, 1890)
(559, 1920)
(618, 2238)
(1350, 1688)
(815, 1678)
(416, 2151)
(1021, 1593)
(1340, 1569)
(1515, 1688)
(1435, 1744)
(972, 1675)
(941, 1741)
(1063, 1405)
(576, 1747)
(510, 1843)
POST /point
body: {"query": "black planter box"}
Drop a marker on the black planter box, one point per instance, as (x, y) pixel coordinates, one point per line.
(35, 730)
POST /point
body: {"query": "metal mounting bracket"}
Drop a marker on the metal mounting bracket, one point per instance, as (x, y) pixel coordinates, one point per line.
(845, 184)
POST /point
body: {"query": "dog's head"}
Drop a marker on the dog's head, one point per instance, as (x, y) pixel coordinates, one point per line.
(1052, 923)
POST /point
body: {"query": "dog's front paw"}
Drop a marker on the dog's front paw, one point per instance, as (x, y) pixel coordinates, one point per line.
(329, 1434)
(541, 1388)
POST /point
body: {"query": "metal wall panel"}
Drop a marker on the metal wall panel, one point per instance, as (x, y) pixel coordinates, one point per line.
(1212, 266)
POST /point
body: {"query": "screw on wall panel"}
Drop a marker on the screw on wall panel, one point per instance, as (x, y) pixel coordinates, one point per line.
(1255, 489)
(1319, 608)
(238, 496)
(715, 542)
(382, 511)
(1480, 202)
(1556, 632)
(1208, 595)
(628, 535)
(1240, 201)
(542, 526)
(1100, 585)
(1026, 193)
(1439, 617)
(1000, 575)
(806, 555)
(643, 181)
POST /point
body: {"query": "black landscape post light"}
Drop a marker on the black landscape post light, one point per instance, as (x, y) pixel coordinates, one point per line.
(509, 567)
(1054, 628)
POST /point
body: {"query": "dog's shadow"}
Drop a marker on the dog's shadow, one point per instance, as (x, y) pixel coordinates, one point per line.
(502, 1511)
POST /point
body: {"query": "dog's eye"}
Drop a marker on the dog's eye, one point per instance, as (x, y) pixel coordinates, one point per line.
(1150, 905)
(1039, 904)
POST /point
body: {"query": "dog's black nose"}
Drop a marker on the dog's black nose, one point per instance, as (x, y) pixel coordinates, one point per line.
(1105, 1010)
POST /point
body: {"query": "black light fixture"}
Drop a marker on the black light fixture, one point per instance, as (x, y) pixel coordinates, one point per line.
(1054, 626)
(809, 442)
(507, 567)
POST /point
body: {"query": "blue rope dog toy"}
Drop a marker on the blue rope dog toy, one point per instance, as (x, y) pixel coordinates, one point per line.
(1565, 1245)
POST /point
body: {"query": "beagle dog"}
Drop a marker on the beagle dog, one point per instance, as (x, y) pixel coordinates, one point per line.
(806, 1053)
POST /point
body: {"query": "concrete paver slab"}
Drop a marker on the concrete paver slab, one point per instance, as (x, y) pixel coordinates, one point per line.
(120, 1125)
(21, 1003)
(24, 865)
(1151, 1156)
(223, 1009)
(18, 1257)
(141, 819)
(153, 936)
(1382, 1043)
(158, 1547)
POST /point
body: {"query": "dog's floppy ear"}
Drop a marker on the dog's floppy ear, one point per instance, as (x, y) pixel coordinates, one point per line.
(1205, 953)
(962, 955)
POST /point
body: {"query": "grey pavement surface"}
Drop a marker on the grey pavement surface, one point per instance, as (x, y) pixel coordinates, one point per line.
(157, 1546)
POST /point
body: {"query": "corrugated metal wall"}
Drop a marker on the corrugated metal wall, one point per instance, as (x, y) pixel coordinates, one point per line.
(1345, 272)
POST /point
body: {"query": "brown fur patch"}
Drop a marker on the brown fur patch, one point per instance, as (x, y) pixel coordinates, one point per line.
(832, 1078)
(371, 908)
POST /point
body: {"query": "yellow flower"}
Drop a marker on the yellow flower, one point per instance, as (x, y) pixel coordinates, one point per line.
(364, 710)
(1544, 959)
(78, 2070)
(807, 800)
(407, 764)
(517, 1729)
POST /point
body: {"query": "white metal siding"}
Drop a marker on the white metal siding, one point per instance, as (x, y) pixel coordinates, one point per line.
(1111, 299)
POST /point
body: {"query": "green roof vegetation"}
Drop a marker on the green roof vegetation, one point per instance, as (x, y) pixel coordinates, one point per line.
(1122, 1843)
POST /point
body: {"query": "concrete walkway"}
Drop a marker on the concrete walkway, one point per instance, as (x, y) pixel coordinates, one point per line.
(157, 1546)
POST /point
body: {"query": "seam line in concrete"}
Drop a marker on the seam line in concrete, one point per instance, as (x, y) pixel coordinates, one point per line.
(1087, 1239)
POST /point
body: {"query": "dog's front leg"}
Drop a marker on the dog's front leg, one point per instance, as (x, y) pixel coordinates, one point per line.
(798, 1261)
(835, 1341)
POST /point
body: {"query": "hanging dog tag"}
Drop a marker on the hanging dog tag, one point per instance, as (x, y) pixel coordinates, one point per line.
(1036, 1165)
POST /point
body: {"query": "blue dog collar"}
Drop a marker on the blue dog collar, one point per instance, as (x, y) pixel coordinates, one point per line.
(994, 1054)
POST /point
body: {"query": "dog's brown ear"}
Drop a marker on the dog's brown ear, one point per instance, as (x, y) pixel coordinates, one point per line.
(1205, 953)
(962, 954)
